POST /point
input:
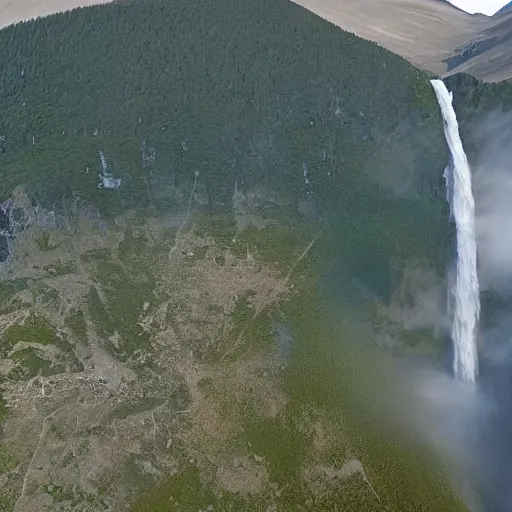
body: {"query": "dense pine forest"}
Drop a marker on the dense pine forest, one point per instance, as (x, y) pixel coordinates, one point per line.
(252, 91)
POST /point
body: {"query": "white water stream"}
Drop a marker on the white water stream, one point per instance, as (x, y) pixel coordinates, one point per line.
(465, 293)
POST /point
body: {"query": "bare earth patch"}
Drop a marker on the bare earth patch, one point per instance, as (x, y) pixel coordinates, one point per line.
(98, 410)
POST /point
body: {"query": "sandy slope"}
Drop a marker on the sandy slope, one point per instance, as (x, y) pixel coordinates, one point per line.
(495, 64)
(12, 11)
(425, 32)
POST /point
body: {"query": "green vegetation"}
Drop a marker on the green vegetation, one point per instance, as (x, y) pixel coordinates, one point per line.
(75, 321)
(328, 137)
(10, 287)
(8, 290)
(133, 248)
(46, 294)
(35, 329)
(283, 446)
(31, 364)
(243, 311)
(3, 414)
(43, 242)
(124, 295)
(61, 268)
(250, 331)
(220, 225)
(29, 361)
(7, 502)
(74, 496)
(118, 301)
(336, 370)
(99, 314)
(241, 97)
(276, 244)
(186, 493)
(8, 462)
(423, 95)
(183, 492)
(59, 493)
(474, 97)
(426, 338)
(96, 255)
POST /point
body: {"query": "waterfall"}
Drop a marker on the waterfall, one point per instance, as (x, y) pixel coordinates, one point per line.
(465, 297)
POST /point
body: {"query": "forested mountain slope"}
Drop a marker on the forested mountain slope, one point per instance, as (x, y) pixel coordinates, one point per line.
(250, 89)
(14, 12)
(193, 333)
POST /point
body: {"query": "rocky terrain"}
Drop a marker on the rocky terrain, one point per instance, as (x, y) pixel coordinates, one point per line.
(119, 367)
(144, 361)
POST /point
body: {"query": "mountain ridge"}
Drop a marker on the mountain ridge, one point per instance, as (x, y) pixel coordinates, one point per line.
(433, 35)
(428, 33)
(16, 12)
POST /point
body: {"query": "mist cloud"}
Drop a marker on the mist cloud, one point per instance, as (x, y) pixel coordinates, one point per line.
(492, 184)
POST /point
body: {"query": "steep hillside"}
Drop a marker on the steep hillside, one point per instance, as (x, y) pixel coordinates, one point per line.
(487, 53)
(214, 221)
(241, 91)
(14, 12)
(433, 35)
(505, 8)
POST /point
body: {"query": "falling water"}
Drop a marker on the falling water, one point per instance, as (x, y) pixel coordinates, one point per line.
(465, 307)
